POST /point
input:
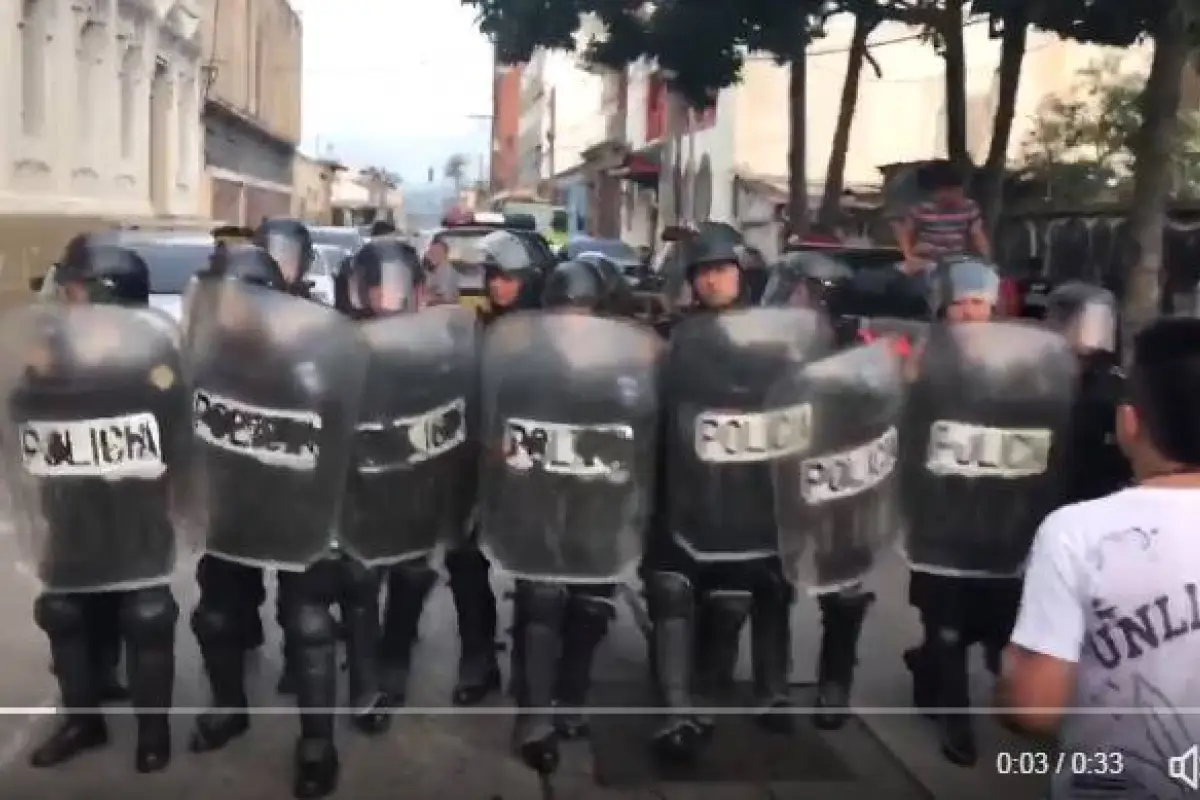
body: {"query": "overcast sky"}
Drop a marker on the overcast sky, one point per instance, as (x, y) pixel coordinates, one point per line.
(394, 84)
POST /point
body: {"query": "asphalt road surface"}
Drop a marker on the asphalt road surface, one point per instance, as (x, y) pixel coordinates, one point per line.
(448, 755)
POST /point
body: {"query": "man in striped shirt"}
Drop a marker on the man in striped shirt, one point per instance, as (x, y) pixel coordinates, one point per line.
(947, 224)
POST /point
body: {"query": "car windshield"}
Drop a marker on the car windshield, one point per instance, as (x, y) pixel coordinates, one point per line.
(613, 248)
(348, 239)
(173, 265)
(463, 245)
(329, 259)
(543, 213)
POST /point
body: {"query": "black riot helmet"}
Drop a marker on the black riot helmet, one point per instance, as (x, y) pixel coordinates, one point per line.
(697, 250)
(384, 277)
(807, 279)
(505, 257)
(618, 297)
(290, 243)
(1085, 314)
(574, 284)
(248, 263)
(102, 273)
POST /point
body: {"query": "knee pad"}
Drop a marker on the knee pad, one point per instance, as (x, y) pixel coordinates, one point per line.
(590, 610)
(149, 615)
(545, 603)
(61, 614)
(467, 566)
(732, 604)
(215, 625)
(309, 625)
(669, 594)
(852, 600)
(947, 637)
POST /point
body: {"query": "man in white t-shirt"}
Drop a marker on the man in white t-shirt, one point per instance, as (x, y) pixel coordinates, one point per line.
(1110, 616)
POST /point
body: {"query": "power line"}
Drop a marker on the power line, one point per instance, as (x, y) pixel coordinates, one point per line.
(833, 51)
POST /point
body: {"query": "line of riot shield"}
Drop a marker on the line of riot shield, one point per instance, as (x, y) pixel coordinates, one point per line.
(277, 386)
(837, 503)
(983, 444)
(570, 428)
(414, 476)
(723, 430)
(95, 442)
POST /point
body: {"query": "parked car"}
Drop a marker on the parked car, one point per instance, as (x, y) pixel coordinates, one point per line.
(348, 239)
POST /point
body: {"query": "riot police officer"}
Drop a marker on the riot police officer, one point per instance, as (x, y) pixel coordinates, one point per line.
(1087, 316)
(111, 549)
(814, 280)
(697, 568)
(513, 283)
(583, 377)
(398, 502)
(227, 323)
(979, 387)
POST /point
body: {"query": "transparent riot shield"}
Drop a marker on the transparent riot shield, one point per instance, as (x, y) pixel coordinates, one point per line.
(983, 445)
(95, 441)
(415, 450)
(569, 448)
(836, 503)
(277, 385)
(722, 429)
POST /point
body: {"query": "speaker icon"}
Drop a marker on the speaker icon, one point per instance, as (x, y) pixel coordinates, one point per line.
(1186, 768)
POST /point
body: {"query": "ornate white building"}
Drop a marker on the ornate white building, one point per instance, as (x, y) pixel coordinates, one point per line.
(100, 105)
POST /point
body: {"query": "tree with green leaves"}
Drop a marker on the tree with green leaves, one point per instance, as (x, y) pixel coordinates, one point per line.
(1081, 146)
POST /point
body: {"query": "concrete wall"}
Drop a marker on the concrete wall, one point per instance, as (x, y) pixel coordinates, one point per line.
(312, 195)
(252, 116)
(532, 121)
(257, 51)
(580, 119)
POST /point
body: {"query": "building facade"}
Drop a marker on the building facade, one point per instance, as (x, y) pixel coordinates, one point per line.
(252, 108)
(506, 127)
(534, 121)
(100, 122)
(312, 189)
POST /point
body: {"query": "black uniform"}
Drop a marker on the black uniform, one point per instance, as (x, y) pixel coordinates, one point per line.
(505, 257)
(86, 627)
(226, 621)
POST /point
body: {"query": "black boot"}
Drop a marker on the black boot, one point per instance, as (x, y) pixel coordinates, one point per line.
(63, 619)
(222, 648)
(104, 639)
(409, 586)
(771, 654)
(541, 610)
(953, 692)
(588, 617)
(475, 602)
(842, 619)
(672, 609)
(148, 618)
(360, 621)
(724, 613)
(310, 630)
(920, 663)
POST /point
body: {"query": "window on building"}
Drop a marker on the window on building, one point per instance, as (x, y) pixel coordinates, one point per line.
(129, 76)
(33, 67)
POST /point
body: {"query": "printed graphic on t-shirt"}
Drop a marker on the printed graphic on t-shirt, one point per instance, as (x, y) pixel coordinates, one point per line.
(583, 451)
(851, 472)
(977, 451)
(276, 437)
(112, 448)
(724, 438)
(411, 440)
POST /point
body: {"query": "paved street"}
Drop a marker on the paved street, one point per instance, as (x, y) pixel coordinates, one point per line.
(433, 756)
